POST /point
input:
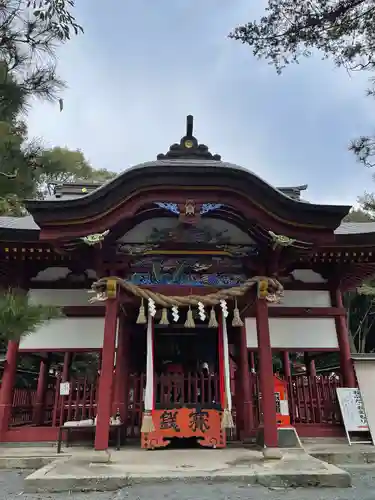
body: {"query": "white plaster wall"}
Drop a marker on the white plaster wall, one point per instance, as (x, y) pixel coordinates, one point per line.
(61, 297)
(296, 333)
(308, 276)
(66, 333)
(59, 273)
(304, 298)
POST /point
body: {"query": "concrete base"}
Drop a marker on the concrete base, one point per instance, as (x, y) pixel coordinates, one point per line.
(135, 466)
(287, 437)
(272, 454)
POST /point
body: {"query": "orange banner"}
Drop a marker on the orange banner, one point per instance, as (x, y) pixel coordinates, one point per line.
(203, 424)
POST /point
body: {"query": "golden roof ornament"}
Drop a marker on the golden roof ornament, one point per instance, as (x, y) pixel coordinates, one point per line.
(189, 147)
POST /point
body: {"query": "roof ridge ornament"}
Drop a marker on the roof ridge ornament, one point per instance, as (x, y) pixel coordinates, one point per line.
(189, 147)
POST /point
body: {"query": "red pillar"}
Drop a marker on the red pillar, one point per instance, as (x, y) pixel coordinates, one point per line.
(286, 365)
(106, 376)
(266, 375)
(66, 367)
(245, 385)
(64, 378)
(310, 365)
(120, 399)
(40, 393)
(346, 363)
(252, 361)
(7, 387)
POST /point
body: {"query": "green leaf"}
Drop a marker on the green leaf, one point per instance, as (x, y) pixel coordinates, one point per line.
(18, 317)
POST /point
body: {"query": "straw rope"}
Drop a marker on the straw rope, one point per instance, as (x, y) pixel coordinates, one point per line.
(275, 291)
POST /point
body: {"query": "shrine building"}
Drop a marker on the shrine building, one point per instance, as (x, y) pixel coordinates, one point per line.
(201, 274)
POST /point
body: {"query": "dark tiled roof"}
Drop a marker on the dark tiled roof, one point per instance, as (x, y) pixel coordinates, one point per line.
(26, 223)
(72, 190)
(355, 228)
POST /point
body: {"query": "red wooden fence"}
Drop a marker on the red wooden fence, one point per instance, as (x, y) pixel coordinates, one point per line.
(312, 400)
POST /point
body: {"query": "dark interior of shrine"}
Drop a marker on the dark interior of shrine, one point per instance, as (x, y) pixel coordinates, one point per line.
(177, 349)
(185, 350)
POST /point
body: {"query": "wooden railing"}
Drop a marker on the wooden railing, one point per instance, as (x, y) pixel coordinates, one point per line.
(312, 400)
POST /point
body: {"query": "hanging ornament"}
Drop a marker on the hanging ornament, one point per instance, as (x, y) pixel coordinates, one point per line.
(164, 317)
(151, 307)
(212, 323)
(99, 297)
(175, 314)
(142, 320)
(189, 323)
(201, 311)
(237, 321)
(224, 308)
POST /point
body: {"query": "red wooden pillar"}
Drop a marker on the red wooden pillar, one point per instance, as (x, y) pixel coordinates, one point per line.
(66, 367)
(41, 393)
(245, 385)
(252, 362)
(106, 376)
(310, 365)
(121, 386)
(266, 375)
(286, 365)
(346, 363)
(7, 387)
(65, 377)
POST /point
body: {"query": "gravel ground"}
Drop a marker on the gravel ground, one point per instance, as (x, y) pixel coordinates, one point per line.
(363, 489)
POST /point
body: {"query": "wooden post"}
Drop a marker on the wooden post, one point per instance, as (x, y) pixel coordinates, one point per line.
(41, 392)
(246, 385)
(310, 365)
(286, 365)
(7, 387)
(65, 377)
(266, 375)
(106, 376)
(121, 385)
(346, 363)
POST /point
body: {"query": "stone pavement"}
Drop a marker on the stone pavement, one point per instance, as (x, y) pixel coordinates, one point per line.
(91, 471)
(79, 468)
(11, 488)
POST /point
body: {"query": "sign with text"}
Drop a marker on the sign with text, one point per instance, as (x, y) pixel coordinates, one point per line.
(64, 389)
(201, 423)
(352, 410)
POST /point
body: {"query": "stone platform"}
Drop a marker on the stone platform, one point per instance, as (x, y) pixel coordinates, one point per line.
(90, 471)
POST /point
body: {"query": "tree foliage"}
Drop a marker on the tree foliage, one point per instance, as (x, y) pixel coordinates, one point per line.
(359, 215)
(343, 30)
(18, 317)
(58, 165)
(30, 32)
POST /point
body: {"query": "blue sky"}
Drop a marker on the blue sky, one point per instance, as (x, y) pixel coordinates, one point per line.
(143, 65)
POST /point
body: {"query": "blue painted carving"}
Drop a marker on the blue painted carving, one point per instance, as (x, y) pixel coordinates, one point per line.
(188, 279)
(173, 207)
(210, 207)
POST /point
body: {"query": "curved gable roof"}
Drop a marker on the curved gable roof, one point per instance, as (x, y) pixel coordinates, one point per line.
(186, 172)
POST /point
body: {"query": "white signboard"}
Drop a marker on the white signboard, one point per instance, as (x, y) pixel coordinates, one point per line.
(64, 389)
(352, 410)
